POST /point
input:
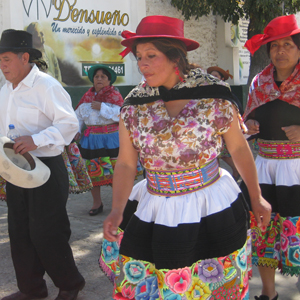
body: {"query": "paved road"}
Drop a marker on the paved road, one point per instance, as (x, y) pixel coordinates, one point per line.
(85, 241)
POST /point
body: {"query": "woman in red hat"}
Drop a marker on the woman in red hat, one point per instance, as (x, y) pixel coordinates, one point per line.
(99, 110)
(272, 116)
(183, 233)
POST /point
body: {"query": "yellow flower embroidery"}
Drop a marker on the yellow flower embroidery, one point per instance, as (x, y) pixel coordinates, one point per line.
(198, 290)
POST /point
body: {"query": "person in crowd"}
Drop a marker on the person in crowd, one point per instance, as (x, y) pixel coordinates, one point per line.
(184, 228)
(48, 55)
(99, 110)
(38, 224)
(79, 179)
(219, 73)
(272, 115)
(225, 156)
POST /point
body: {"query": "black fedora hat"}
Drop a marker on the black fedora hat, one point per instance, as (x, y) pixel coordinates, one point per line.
(18, 41)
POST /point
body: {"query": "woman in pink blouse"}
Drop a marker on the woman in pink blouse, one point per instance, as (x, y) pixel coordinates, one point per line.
(183, 233)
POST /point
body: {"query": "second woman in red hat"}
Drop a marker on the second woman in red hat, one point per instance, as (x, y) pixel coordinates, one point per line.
(272, 116)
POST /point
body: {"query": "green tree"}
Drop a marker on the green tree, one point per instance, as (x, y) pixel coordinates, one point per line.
(258, 12)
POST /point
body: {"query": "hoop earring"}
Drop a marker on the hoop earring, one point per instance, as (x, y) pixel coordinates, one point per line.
(178, 73)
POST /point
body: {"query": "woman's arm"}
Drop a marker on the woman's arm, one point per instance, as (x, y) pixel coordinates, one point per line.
(123, 180)
(244, 162)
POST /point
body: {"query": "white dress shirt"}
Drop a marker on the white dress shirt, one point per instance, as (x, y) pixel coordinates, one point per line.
(40, 107)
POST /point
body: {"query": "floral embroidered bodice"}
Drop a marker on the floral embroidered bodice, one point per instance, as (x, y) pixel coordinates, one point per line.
(190, 139)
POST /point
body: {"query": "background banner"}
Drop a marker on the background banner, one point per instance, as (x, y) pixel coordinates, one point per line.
(73, 35)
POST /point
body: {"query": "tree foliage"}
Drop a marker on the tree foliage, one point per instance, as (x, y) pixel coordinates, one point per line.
(232, 11)
(258, 12)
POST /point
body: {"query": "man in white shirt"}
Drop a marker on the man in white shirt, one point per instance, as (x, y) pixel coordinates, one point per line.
(38, 223)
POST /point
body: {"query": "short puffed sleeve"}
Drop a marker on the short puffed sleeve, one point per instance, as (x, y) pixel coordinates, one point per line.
(129, 117)
(221, 115)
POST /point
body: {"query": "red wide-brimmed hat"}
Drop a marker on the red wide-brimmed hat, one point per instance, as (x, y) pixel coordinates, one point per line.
(225, 74)
(278, 28)
(160, 27)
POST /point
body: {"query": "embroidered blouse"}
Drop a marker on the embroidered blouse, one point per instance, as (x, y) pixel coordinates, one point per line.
(190, 139)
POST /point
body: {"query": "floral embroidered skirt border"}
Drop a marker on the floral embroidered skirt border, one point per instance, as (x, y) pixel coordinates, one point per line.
(192, 246)
(216, 278)
(278, 245)
(2, 189)
(79, 179)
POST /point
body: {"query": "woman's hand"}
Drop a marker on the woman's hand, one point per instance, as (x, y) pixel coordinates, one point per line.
(110, 225)
(77, 136)
(253, 126)
(262, 211)
(292, 132)
(96, 105)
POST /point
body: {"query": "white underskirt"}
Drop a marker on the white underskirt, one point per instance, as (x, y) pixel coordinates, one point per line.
(284, 172)
(189, 208)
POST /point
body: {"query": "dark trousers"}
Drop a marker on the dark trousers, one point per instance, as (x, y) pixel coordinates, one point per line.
(39, 231)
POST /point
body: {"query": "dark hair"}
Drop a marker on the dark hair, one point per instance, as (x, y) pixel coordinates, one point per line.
(104, 72)
(32, 57)
(295, 38)
(175, 50)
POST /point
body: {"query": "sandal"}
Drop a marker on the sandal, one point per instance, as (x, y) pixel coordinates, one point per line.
(264, 297)
(96, 211)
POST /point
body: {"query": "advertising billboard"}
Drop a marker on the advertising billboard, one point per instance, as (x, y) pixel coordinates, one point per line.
(73, 35)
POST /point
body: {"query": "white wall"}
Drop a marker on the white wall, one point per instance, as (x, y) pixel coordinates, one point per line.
(10, 17)
(202, 30)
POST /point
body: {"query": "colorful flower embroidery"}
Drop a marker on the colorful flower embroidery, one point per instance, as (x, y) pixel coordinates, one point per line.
(178, 280)
(241, 259)
(147, 289)
(210, 270)
(135, 271)
(110, 251)
(128, 292)
(294, 255)
(294, 240)
(168, 295)
(223, 294)
(119, 296)
(284, 242)
(271, 236)
(288, 228)
(198, 290)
